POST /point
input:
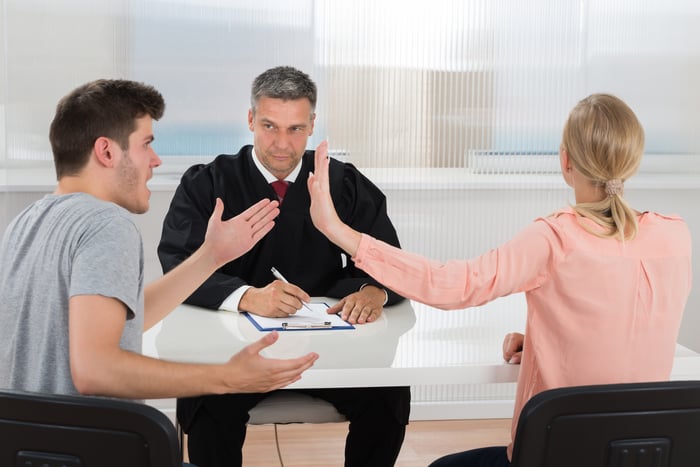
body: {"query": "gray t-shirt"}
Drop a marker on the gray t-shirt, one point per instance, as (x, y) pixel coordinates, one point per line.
(57, 248)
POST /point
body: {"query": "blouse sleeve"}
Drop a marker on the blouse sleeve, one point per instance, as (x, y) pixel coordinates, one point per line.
(523, 263)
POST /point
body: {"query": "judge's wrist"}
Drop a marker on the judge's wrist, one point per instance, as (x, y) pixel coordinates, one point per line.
(233, 301)
(386, 294)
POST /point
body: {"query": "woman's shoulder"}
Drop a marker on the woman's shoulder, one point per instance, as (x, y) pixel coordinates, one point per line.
(663, 224)
(651, 216)
(567, 216)
(561, 217)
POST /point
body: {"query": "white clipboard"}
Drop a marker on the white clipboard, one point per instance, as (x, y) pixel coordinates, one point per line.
(313, 318)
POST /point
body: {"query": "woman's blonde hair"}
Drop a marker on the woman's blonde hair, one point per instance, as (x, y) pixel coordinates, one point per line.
(605, 142)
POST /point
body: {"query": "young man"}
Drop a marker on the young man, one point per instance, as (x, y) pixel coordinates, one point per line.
(281, 119)
(71, 277)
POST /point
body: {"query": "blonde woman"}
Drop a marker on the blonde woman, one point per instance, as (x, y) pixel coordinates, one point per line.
(605, 285)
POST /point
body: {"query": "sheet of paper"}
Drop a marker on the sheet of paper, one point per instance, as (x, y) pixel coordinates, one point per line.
(314, 318)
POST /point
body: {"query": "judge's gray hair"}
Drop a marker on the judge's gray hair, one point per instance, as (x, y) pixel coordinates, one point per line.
(283, 82)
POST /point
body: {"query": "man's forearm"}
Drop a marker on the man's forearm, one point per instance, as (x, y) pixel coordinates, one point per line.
(164, 294)
(111, 371)
(132, 376)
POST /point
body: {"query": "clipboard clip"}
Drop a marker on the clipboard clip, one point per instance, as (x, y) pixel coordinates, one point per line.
(323, 325)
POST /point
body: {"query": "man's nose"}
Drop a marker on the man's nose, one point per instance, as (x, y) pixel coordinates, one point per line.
(155, 160)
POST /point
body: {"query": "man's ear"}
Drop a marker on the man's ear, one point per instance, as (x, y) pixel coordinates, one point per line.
(103, 151)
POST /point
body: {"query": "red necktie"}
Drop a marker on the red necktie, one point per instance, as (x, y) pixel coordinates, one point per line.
(280, 187)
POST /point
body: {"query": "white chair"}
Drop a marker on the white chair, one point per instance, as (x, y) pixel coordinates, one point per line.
(285, 407)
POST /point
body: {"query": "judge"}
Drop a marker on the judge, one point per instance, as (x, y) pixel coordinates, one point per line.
(281, 118)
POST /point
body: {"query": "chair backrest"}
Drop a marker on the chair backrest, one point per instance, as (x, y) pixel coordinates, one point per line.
(73, 431)
(615, 425)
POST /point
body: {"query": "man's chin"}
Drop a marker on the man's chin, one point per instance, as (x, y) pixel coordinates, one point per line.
(143, 208)
(140, 208)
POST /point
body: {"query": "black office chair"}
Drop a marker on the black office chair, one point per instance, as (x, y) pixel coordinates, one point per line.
(614, 425)
(73, 431)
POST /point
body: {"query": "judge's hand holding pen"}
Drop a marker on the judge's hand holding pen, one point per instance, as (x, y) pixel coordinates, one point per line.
(277, 299)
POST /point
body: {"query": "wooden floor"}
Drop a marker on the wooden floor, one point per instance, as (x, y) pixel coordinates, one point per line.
(323, 444)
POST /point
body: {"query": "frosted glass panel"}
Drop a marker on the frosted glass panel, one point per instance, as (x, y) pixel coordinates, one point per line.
(402, 84)
(50, 48)
(456, 78)
(203, 57)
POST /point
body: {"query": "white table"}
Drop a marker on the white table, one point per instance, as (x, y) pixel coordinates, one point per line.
(410, 345)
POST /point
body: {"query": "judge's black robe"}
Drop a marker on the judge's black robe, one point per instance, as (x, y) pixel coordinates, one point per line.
(306, 258)
(294, 246)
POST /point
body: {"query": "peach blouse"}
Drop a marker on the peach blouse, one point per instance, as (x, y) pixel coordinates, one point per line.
(598, 310)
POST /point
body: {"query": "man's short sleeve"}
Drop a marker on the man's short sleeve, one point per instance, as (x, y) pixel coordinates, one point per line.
(109, 261)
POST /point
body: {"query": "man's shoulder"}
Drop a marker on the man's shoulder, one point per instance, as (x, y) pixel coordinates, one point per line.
(83, 204)
(80, 215)
(100, 212)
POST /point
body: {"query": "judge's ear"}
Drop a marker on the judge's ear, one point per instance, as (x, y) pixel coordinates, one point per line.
(312, 122)
(103, 151)
(251, 117)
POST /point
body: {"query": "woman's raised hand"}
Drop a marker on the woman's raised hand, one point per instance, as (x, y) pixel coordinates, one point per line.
(323, 213)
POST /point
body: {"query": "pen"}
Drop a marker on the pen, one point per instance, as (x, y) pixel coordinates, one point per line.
(279, 276)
